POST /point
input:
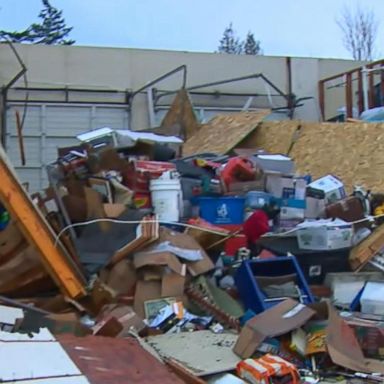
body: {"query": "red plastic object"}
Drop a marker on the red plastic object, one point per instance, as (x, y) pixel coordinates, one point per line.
(238, 169)
(233, 244)
(140, 172)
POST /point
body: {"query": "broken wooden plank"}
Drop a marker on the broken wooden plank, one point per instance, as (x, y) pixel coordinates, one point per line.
(37, 231)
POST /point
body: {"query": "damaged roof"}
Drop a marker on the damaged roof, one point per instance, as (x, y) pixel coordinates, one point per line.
(105, 360)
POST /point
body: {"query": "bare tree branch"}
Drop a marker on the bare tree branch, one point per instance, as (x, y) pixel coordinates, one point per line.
(359, 29)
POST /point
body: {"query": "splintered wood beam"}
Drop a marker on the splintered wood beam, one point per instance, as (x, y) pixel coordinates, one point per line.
(37, 231)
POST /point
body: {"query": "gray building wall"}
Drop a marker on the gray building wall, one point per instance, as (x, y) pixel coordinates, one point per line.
(119, 68)
(54, 118)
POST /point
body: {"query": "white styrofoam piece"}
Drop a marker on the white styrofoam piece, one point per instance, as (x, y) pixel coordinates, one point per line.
(203, 352)
(137, 135)
(94, 134)
(345, 291)
(43, 335)
(34, 360)
(9, 315)
(56, 380)
(274, 157)
(373, 291)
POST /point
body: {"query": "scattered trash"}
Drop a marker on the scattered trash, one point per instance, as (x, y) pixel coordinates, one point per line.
(201, 261)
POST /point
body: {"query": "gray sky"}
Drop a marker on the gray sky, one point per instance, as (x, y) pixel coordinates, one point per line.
(284, 27)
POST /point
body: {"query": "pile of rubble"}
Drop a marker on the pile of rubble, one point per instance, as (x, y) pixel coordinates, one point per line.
(139, 263)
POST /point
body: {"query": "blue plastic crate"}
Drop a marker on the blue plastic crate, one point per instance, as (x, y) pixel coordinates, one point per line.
(257, 199)
(221, 210)
(250, 290)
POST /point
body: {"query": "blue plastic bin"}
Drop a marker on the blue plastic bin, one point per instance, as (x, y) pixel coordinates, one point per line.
(257, 199)
(250, 290)
(221, 210)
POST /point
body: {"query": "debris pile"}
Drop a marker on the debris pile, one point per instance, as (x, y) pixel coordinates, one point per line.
(155, 259)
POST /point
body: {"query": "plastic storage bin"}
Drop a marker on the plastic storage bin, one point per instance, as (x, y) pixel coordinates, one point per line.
(257, 199)
(221, 210)
(250, 289)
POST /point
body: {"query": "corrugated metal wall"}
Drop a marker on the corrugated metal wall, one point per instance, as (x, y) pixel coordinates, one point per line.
(50, 126)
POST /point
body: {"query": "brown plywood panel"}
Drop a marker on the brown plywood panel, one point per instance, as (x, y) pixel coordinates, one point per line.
(353, 152)
(181, 119)
(224, 132)
(272, 136)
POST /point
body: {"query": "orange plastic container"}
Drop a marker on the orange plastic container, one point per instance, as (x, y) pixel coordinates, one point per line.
(238, 169)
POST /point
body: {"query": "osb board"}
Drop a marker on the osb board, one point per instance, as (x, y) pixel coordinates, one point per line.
(224, 132)
(353, 152)
(180, 117)
(271, 136)
(206, 353)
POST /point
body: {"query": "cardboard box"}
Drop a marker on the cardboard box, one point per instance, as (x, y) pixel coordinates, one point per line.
(276, 163)
(279, 320)
(126, 317)
(372, 298)
(329, 188)
(247, 186)
(122, 277)
(314, 208)
(367, 249)
(346, 285)
(292, 209)
(168, 259)
(370, 335)
(343, 346)
(283, 187)
(324, 235)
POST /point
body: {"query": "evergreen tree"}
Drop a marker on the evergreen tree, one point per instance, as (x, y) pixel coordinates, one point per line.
(229, 43)
(51, 30)
(251, 45)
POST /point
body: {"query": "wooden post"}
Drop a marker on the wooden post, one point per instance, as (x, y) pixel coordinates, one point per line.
(371, 88)
(360, 91)
(321, 99)
(348, 95)
(36, 230)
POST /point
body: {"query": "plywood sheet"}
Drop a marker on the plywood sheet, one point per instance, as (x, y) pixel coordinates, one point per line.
(181, 116)
(207, 353)
(224, 132)
(272, 136)
(353, 152)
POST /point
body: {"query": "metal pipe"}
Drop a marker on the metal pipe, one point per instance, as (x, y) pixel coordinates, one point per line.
(79, 102)
(65, 89)
(219, 82)
(26, 307)
(162, 77)
(5, 92)
(232, 80)
(152, 83)
(290, 102)
(4, 117)
(159, 94)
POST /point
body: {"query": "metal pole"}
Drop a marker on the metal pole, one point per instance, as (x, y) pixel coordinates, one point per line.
(365, 88)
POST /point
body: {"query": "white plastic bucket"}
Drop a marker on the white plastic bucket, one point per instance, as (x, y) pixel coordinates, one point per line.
(166, 197)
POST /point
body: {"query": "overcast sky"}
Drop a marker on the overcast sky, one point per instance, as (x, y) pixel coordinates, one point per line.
(284, 27)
